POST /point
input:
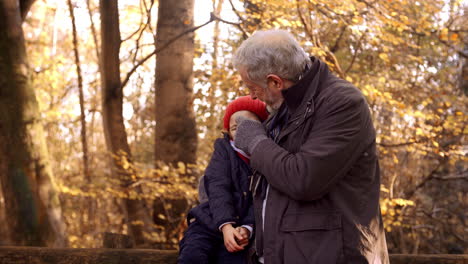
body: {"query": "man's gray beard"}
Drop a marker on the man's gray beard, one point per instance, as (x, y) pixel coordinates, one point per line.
(273, 109)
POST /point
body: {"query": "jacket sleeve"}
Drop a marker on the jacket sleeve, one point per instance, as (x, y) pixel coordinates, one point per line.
(219, 186)
(330, 149)
(249, 219)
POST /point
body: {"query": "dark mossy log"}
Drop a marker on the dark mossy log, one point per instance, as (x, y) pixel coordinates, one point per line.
(40, 255)
(428, 259)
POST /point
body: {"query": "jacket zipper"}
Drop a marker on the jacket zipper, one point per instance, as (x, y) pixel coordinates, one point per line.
(309, 103)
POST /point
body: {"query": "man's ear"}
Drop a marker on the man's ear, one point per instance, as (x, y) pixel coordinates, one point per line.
(278, 83)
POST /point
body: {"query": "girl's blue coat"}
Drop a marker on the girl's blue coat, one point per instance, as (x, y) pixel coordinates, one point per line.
(226, 181)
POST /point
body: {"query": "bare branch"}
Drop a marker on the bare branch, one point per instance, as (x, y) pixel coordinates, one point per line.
(461, 175)
(330, 57)
(411, 142)
(301, 17)
(93, 30)
(167, 44)
(337, 42)
(238, 25)
(236, 12)
(425, 180)
(358, 47)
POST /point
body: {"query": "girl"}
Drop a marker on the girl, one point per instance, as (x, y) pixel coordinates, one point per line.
(219, 229)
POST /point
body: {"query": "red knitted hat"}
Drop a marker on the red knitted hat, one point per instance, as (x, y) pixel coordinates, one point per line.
(245, 103)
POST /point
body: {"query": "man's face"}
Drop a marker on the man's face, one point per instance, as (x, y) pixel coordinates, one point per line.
(270, 94)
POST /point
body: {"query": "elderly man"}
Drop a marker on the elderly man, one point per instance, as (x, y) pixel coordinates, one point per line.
(316, 183)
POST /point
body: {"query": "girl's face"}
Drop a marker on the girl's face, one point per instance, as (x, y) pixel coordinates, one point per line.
(233, 121)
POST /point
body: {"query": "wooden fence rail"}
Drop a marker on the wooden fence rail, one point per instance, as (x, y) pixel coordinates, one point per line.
(37, 255)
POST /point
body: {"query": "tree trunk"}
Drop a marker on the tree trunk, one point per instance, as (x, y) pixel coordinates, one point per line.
(84, 143)
(214, 120)
(25, 5)
(137, 215)
(464, 73)
(31, 202)
(176, 135)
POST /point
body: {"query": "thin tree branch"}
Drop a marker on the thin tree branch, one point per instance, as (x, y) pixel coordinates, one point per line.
(426, 179)
(336, 46)
(134, 33)
(358, 47)
(402, 144)
(244, 33)
(306, 27)
(147, 24)
(93, 31)
(330, 57)
(167, 44)
(84, 142)
(461, 175)
(236, 12)
(238, 25)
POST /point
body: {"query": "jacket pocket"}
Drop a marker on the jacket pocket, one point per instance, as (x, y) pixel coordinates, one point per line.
(312, 237)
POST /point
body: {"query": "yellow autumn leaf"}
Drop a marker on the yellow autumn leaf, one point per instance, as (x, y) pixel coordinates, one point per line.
(384, 57)
(444, 34)
(404, 18)
(454, 37)
(384, 189)
(361, 6)
(182, 168)
(161, 216)
(357, 20)
(419, 132)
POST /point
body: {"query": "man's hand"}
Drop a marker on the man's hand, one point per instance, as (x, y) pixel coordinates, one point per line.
(245, 233)
(230, 235)
(249, 133)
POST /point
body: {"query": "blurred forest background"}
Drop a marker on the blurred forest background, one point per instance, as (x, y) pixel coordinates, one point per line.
(108, 110)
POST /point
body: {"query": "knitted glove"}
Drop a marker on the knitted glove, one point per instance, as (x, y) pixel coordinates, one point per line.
(249, 133)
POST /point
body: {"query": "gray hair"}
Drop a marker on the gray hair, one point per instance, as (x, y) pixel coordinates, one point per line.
(271, 52)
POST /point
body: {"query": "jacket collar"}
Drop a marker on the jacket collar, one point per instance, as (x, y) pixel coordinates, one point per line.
(302, 91)
(300, 97)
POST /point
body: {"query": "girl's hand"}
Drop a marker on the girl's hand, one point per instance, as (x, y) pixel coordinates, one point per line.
(245, 233)
(230, 235)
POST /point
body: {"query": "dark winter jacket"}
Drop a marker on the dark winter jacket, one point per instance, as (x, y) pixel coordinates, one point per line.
(323, 175)
(226, 183)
